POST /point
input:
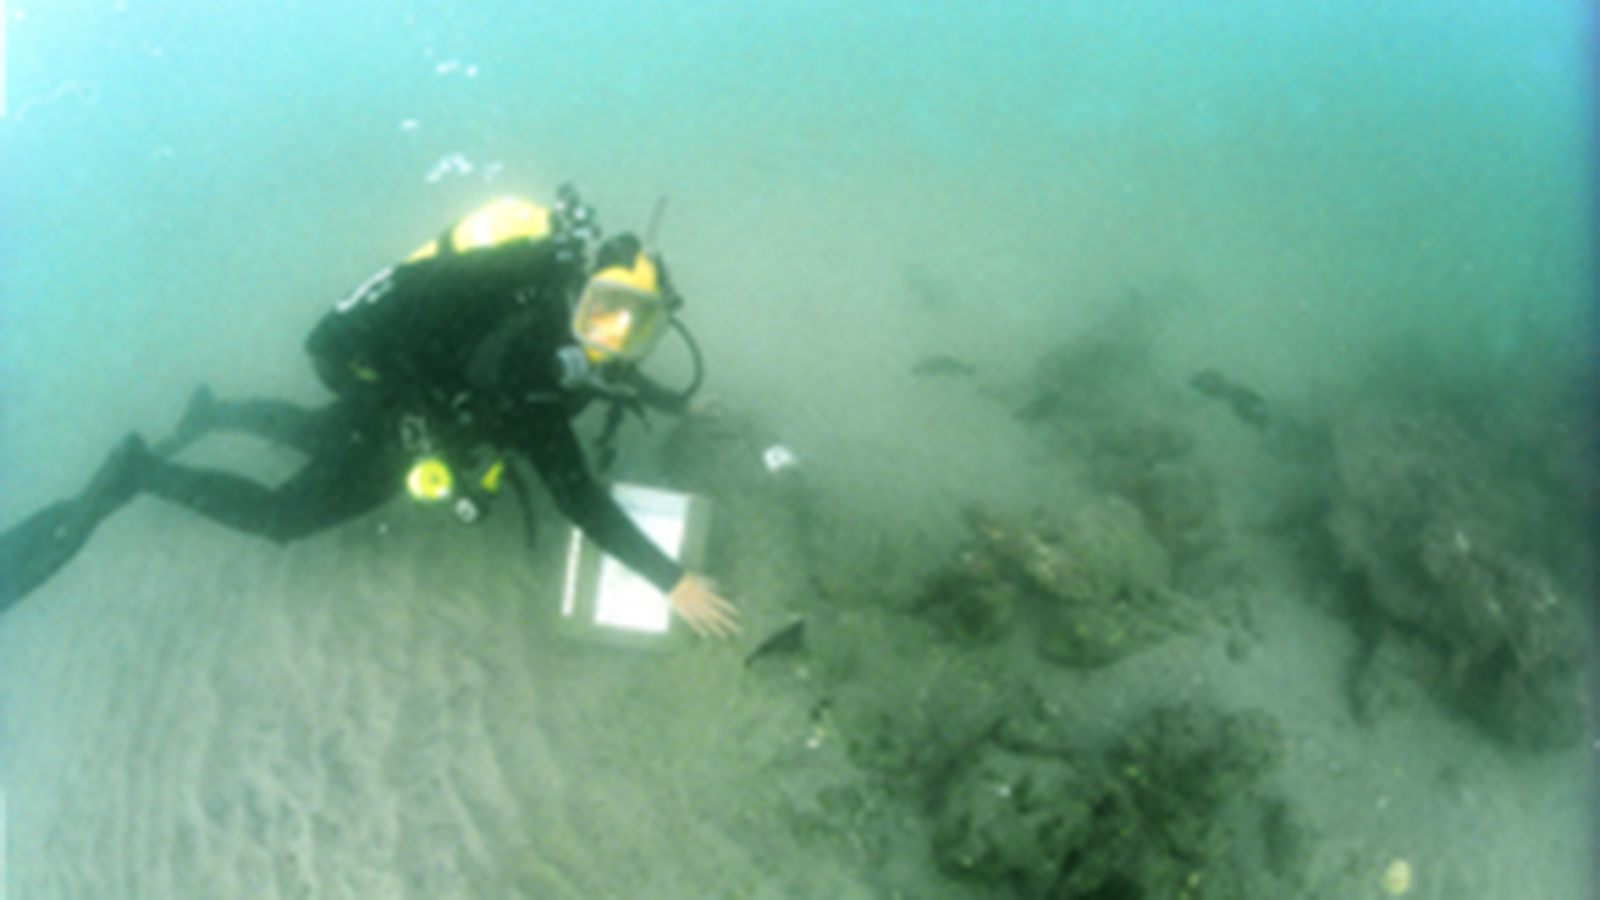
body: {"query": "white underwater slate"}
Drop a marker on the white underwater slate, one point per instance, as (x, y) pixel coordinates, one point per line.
(614, 596)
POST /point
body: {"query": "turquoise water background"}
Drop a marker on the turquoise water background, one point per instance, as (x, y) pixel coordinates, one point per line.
(1342, 166)
(185, 188)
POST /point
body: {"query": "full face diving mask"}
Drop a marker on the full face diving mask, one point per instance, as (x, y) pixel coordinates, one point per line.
(622, 315)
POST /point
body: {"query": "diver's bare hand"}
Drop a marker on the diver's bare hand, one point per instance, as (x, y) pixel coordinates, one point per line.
(696, 600)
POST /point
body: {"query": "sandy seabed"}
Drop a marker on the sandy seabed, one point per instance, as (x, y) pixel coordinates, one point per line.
(393, 709)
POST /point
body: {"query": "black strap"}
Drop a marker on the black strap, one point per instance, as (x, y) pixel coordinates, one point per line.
(519, 486)
(446, 242)
(483, 369)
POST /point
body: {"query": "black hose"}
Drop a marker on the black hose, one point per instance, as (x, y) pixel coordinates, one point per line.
(606, 443)
(694, 354)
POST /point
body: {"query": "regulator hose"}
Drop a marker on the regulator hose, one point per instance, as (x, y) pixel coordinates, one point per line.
(688, 393)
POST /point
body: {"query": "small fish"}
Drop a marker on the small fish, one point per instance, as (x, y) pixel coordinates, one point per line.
(940, 366)
(1041, 407)
(1249, 406)
(1210, 382)
(786, 641)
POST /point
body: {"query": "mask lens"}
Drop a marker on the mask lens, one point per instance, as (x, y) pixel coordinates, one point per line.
(620, 320)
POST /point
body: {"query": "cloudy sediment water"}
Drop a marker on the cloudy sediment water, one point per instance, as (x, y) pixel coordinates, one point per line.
(964, 264)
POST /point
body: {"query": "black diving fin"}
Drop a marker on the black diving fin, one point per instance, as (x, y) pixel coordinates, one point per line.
(36, 549)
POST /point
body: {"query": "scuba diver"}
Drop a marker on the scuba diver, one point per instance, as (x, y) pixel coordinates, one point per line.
(481, 345)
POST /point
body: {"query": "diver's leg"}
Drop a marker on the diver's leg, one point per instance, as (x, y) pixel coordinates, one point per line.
(194, 425)
(345, 479)
(277, 421)
(40, 546)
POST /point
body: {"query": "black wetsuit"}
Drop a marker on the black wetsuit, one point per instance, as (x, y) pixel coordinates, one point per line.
(475, 346)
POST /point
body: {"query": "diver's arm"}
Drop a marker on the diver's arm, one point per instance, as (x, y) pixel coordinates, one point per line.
(554, 451)
(652, 394)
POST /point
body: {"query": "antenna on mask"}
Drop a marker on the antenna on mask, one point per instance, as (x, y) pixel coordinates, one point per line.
(676, 303)
(656, 217)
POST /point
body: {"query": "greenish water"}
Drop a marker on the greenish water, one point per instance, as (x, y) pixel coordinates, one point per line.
(1375, 216)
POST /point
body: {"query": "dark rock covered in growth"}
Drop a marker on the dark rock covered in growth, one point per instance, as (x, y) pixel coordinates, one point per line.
(1101, 399)
(1151, 463)
(969, 602)
(1428, 521)
(1173, 811)
(1014, 819)
(1183, 765)
(1100, 581)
